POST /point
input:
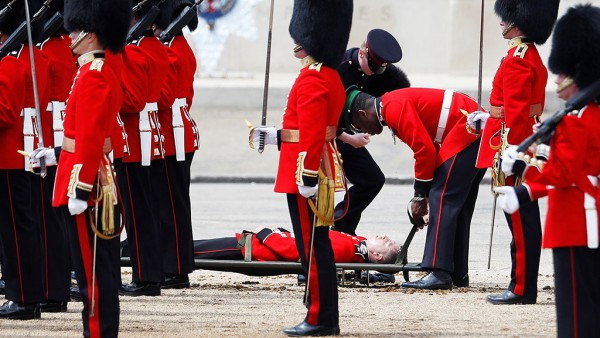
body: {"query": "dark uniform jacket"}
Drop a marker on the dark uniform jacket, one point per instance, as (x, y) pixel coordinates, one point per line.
(392, 78)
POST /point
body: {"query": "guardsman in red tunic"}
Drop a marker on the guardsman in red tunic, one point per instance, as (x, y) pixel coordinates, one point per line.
(320, 30)
(432, 123)
(57, 277)
(19, 226)
(570, 177)
(180, 143)
(517, 100)
(144, 166)
(278, 244)
(84, 178)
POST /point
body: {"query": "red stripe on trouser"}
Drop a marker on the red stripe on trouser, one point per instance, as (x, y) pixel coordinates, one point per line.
(133, 218)
(174, 218)
(574, 290)
(519, 239)
(14, 225)
(314, 287)
(87, 259)
(437, 229)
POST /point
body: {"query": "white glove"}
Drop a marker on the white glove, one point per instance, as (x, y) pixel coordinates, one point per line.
(508, 160)
(477, 116)
(77, 206)
(507, 199)
(46, 153)
(269, 132)
(307, 191)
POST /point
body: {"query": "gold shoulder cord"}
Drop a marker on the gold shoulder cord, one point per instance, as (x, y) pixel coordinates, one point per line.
(108, 194)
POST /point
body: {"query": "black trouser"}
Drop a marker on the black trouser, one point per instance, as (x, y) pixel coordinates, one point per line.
(577, 284)
(142, 223)
(176, 216)
(525, 247)
(218, 248)
(451, 203)
(367, 180)
(55, 247)
(107, 275)
(21, 240)
(322, 293)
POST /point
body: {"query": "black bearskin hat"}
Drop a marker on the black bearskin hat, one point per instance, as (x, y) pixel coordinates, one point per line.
(16, 16)
(56, 6)
(108, 19)
(576, 45)
(322, 28)
(535, 18)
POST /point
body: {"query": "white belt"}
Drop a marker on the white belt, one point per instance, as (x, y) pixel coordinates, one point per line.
(178, 129)
(146, 125)
(28, 132)
(446, 104)
(591, 216)
(57, 108)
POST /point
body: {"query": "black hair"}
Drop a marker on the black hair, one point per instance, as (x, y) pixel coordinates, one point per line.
(360, 102)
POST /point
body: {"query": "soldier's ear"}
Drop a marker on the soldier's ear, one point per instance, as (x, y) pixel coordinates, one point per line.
(377, 255)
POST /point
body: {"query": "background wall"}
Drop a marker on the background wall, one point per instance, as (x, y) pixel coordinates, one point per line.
(439, 38)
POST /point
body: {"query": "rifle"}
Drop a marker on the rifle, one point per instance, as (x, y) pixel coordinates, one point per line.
(142, 24)
(20, 34)
(546, 128)
(52, 26)
(179, 22)
(6, 9)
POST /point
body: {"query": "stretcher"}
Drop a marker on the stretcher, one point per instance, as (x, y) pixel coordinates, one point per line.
(260, 268)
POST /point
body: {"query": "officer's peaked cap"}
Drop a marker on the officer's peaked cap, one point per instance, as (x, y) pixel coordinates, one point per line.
(16, 16)
(576, 45)
(322, 28)
(108, 19)
(382, 47)
(535, 18)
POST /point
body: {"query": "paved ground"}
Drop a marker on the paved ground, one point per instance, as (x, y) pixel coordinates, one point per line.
(224, 304)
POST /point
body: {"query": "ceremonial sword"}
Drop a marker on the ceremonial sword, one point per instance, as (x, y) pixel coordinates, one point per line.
(263, 121)
(36, 98)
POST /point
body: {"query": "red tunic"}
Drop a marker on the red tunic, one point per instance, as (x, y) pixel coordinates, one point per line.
(519, 84)
(572, 158)
(118, 137)
(314, 102)
(61, 69)
(181, 50)
(17, 93)
(279, 245)
(413, 114)
(135, 85)
(91, 109)
(165, 102)
(158, 68)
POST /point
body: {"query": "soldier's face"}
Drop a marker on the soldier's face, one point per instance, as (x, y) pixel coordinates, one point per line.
(566, 87)
(366, 120)
(382, 245)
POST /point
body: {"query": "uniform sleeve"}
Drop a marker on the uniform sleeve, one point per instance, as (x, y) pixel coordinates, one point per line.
(134, 80)
(518, 95)
(12, 93)
(313, 97)
(566, 161)
(91, 124)
(405, 119)
(168, 90)
(280, 242)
